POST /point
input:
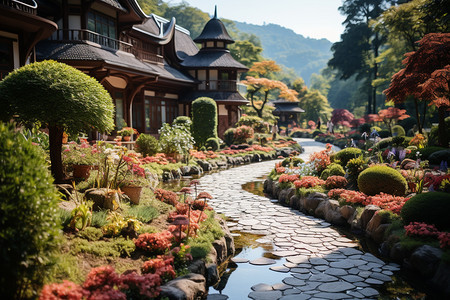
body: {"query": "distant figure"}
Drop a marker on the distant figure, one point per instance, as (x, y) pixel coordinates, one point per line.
(319, 124)
(274, 131)
(330, 127)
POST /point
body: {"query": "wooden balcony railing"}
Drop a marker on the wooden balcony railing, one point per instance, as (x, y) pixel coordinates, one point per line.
(28, 6)
(218, 85)
(145, 55)
(70, 35)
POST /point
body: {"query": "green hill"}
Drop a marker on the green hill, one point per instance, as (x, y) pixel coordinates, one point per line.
(305, 55)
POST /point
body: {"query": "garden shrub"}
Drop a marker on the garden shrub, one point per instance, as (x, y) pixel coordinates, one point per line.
(356, 166)
(346, 154)
(90, 234)
(398, 130)
(254, 122)
(147, 145)
(365, 128)
(29, 225)
(212, 144)
(377, 179)
(384, 133)
(408, 123)
(437, 157)
(430, 208)
(228, 136)
(204, 120)
(117, 247)
(427, 151)
(332, 169)
(295, 161)
(243, 133)
(183, 121)
(316, 133)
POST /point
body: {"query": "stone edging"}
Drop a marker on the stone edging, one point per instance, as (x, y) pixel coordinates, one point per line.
(203, 274)
(424, 261)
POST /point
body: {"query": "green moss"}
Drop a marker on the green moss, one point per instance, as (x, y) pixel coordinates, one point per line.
(430, 208)
(116, 247)
(91, 234)
(332, 169)
(377, 179)
(209, 231)
(66, 268)
(304, 192)
(346, 154)
(410, 243)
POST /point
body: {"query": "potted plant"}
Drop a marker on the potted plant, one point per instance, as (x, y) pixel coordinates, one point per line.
(126, 133)
(81, 157)
(133, 182)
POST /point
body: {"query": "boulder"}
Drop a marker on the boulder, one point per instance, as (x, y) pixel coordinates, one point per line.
(313, 200)
(373, 224)
(441, 278)
(188, 287)
(103, 198)
(268, 186)
(221, 249)
(320, 209)
(378, 234)
(212, 274)
(367, 215)
(425, 260)
(333, 212)
(256, 157)
(176, 173)
(398, 253)
(195, 170)
(294, 202)
(285, 195)
(347, 211)
(185, 170)
(206, 166)
(275, 189)
(197, 266)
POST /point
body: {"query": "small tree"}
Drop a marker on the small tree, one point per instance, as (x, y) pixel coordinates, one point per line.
(59, 97)
(29, 226)
(342, 116)
(204, 120)
(391, 115)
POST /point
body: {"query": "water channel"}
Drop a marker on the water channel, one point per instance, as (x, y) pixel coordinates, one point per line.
(238, 195)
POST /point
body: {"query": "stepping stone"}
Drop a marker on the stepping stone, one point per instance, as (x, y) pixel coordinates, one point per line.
(239, 260)
(355, 294)
(289, 265)
(281, 269)
(260, 227)
(335, 272)
(381, 277)
(269, 295)
(302, 276)
(317, 261)
(369, 292)
(373, 281)
(293, 281)
(335, 287)
(262, 261)
(372, 258)
(217, 297)
(295, 297)
(388, 273)
(297, 259)
(248, 222)
(350, 251)
(284, 253)
(310, 286)
(264, 241)
(261, 287)
(281, 287)
(352, 278)
(300, 270)
(323, 278)
(321, 268)
(343, 264)
(331, 296)
(291, 291)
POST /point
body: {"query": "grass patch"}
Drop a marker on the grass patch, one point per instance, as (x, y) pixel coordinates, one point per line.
(64, 216)
(410, 243)
(117, 247)
(143, 213)
(304, 192)
(90, 234)
(66, 268)
(99, 218)
(209, 231)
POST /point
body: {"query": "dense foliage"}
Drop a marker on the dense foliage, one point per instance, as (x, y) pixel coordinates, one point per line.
(29, 227)
(431, 208)
(204, 120)
(377, 179)
(147, 144)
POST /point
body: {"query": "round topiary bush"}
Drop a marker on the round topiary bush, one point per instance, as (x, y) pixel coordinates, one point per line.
(204, 120)
(332, 169)
(398, 130)
(228, 136)
(147, 145)
(346, 154)
(212, 144)
(377, 179)
(29, 227)
(430, 208)
(183, 121)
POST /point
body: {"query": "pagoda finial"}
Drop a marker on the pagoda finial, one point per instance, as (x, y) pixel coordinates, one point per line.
(215, 12)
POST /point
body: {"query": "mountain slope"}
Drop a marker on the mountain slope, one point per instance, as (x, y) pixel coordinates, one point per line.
(305, 55)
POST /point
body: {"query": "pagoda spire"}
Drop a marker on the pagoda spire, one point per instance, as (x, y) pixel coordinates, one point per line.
(215, 12)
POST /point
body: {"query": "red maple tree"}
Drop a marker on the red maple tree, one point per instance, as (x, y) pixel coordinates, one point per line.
(391, 115)
(342, 116)
(426, 76)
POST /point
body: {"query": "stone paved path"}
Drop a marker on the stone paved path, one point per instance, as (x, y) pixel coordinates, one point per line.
(321, 263)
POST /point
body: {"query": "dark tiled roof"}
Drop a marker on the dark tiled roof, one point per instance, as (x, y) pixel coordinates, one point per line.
(168, 72)
(149, 25)
(212, 58)
(227, 97)
(214, 30)
(86, 52)
(286, 106)
(116, 4)
(184, 45)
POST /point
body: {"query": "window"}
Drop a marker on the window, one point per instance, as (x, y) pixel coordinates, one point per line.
(118, 99)
(6, 57)
(103, 25)
(158, 112)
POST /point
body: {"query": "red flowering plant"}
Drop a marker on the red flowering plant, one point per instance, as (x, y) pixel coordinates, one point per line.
(162, 266)
(135, 286)
(421, 230)
(81, 154)
(335, 193)
(158, 158)
(154, 243)
(308, 182)
(243, 133)
(166, 196)
(321, 159)
(64, 290)
(348, 196)
(387, 202)
(287, 180)
(100, 283)
(334, 182)
(444, 240)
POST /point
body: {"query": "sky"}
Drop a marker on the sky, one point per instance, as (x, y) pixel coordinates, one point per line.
(310, 18)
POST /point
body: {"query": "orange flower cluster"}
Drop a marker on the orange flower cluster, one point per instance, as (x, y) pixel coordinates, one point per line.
(159, 158)
(321, 159)
(308, 182)
(203, 154)
(162, 266)
(335, 181)
(288, 178)
(388, 202)
(154, 243)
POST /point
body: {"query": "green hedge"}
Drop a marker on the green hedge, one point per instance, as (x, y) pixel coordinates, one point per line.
(204, 120)
(430, 208)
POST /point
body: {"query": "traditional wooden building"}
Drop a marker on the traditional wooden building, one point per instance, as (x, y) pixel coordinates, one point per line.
(20, 29)
(288, 112)
(151, 66)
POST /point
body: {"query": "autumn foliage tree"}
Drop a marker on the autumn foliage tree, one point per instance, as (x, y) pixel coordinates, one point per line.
(426, 76)
(391, 115)
(342, 116)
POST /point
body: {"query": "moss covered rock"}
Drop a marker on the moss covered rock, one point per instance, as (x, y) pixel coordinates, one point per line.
(430, 208)
(346, 154)
(377, 179)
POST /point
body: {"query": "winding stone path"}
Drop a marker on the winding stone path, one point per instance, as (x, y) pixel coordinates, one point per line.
(320, 262)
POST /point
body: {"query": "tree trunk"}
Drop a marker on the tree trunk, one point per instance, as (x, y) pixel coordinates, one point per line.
(442, 135)
(416, 106)
(55, 136)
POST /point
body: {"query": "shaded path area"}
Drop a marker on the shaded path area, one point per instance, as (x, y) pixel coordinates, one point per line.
(317, 261)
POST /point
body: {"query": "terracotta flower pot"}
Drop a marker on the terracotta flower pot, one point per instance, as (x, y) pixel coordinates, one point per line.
(133, 192)
(126, 138)
(82, 171)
